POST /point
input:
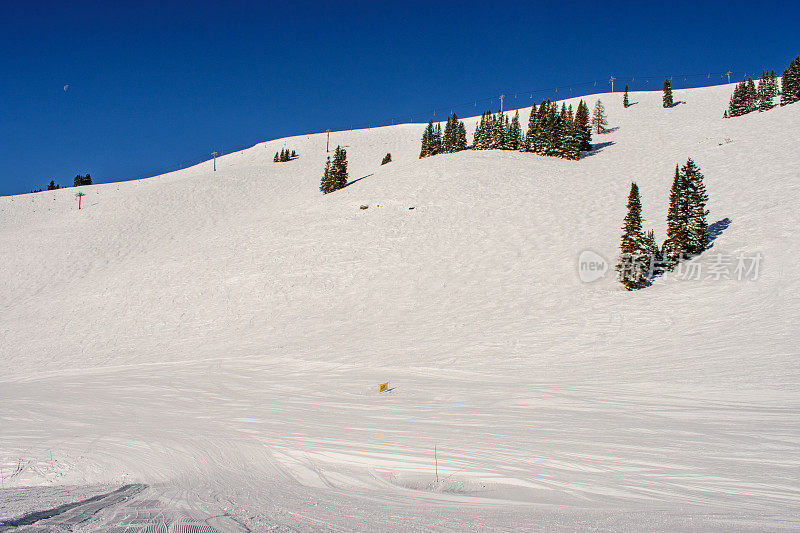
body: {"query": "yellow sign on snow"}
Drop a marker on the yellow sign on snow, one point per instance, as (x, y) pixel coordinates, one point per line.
(384, 387)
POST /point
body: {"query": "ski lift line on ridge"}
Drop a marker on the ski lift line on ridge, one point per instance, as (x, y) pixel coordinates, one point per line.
(396, 119)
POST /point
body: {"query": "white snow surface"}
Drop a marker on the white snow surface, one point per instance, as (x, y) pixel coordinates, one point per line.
(220, 336)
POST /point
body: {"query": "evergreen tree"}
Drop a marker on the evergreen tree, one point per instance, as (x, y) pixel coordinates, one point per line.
(461, 143)
(386, 159)
(667, 97)
(427, 141)
(632, 266)
(655, 265)
(751, 96)
(293, 155)
(764, 91)
(790, 84)
(448, 140)
(515, 133)
(436, 141)
(327, 185)
(676, 247)
(625, 102)
(572, 141)
(82, 180)
(583, 126)
(527, 143)
(696, 200)
(52, 186)
(339, 168)
(599, 120)
(276, 159)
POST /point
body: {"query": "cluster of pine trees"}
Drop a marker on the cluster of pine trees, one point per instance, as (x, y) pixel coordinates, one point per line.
(386, 159)
(82, 180)
(551, 132)
(335, 176)
(687, 230)
(790, 83)
(747, 97)
(284, 155)
(453, 139)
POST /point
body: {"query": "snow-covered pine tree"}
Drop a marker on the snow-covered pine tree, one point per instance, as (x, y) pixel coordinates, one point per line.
(751, 96)
(436, 145)
(790, 84)
(561, 132)
(773, 83)
(551, 131)
(461, 140)
(386, 159)
(599, 121)
(632, 266)
(737, 106)
(293, 154)
(326, 185)
(447, 138)
(338, 172)
(655, 264)
(764, 93)
(572, 146)
(667, 96)
(625, 102)
(276, 159)
(515, 133)
(676, 247)
(697, 225)
(584, 126)
(527, 140)
(427, 140)
(540, 133)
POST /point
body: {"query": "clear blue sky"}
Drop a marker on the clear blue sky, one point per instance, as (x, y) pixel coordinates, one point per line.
(156, 84)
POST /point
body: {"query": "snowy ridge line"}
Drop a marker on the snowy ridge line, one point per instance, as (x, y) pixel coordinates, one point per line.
(398, 119)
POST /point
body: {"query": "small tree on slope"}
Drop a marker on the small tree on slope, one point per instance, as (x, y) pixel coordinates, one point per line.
(667, 96)
(632, 265)
(625, 102)
(599, 121)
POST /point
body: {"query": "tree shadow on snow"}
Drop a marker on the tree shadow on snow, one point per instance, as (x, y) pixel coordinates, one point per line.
(596, 148)
(349, 183)
(716, 229)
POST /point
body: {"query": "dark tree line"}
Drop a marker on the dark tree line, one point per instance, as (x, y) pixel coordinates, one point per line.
(82, 180)
(452, 139)
(747, 97)
(687, 230)
(284, 155)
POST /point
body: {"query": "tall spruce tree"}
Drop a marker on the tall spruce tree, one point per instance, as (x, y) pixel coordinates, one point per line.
(599, 120)
(527, 141)
(667, 96)
(582, 124)
(790, 83)
(751, 96)
(436, 145)
(696, 200)
(326, 185)
(515, 133)
(676, 247)
(427, 141)
(764, 91)
(339, 167)
(625, 102)
(633, 265)
(462, 136)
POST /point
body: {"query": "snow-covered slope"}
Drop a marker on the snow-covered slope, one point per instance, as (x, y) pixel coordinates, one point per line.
(221, 335)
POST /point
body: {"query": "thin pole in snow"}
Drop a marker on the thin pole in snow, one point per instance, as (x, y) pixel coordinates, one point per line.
(79, 196)
(436, 459)
(729, 75)
(502, 97)
(215, 160)
(612, 83)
